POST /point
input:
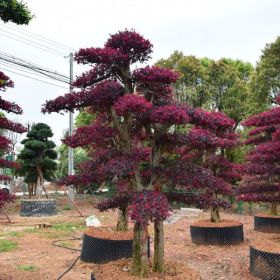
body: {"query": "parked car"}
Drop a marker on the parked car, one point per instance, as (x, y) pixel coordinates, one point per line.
(5, 188)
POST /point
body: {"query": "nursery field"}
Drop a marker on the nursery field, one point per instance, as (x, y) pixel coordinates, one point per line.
(27, 251)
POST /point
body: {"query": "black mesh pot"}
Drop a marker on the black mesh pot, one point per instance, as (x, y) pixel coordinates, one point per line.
(264, 265)
(96, 250)
(38, 207)
(231, 235)
(267, 224)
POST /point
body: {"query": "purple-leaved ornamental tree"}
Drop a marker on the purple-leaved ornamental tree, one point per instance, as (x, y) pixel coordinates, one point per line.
(5, 143)
(137, 137)
(263, 161)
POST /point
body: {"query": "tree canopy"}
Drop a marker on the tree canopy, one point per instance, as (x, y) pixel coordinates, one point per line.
(221, 85)
(266, 81)
(261, 183)
(38, 155)
(132, 141)
(15, 11)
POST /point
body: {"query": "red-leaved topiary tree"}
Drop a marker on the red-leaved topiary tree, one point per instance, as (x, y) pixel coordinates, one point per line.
(204, 169)
(5, 143)
(137, 137)
(263, 161)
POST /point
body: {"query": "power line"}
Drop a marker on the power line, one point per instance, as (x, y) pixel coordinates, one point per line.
(37, 47)
(33, 42)
(6, 64)
(34, 78)
(54, 77)
(32, 64)
(38, 37)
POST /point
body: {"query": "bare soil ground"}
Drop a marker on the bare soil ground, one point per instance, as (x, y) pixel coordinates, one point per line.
(36, 253)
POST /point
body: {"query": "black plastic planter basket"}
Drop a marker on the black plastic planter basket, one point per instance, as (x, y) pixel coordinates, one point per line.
(231, 235)
(264, 265)
(267, 224)
(97, 250)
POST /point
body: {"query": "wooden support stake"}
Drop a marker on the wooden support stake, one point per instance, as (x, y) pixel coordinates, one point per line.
(74, 204)
(6, 214)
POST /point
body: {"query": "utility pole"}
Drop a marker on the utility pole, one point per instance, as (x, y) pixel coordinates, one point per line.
(70, 150)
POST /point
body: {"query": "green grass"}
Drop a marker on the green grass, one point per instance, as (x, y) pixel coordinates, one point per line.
(67, 207)
(58, 230)
(15, 233)
(7, 245)
(27, 267)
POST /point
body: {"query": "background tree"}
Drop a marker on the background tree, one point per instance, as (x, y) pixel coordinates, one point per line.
(80, 155)
(133, 141)
(221, 85)
(266, 80)
(37, 158)
(192, 85)
(229, 87)
(15, 11)
(263, 161)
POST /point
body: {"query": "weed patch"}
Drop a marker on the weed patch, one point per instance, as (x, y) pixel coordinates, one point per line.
(7, 245)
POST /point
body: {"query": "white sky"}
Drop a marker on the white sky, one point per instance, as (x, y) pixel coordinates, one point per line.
(212, 28)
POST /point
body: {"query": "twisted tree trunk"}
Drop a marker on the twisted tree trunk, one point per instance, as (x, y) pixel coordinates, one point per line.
(158, 246)
(140, 249)
(122, 224)
(215, 215)
(273, 209)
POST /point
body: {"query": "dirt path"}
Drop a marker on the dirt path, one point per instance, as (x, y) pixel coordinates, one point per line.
(212, 262)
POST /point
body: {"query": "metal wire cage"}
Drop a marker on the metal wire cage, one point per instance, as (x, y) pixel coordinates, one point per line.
(96, 250)
(264, 265)
(217, 235)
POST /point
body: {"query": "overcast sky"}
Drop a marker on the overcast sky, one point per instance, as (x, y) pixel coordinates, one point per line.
(204, 28)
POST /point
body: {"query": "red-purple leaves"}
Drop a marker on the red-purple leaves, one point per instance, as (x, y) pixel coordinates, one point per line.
(210, 120)
(91, 135)
(12, 126)
(5, 82)
(114, 203)
(131, 103)
(95, 75)
(10, 107)
(101, 97)
(5, 198)
(155, 75)
(267, 118)
(9, 164)
(168, 114)
(100, 55)
(203, 138)
(149, 206)
(4, 143)
(262, 184)
(132, 44)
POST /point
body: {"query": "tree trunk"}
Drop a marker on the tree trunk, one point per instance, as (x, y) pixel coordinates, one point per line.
(140, 248)
(158, 246)
(215, 215)
(122, 224)
(30, 190)
(273, 209)
(34, 189)
(39, 188)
